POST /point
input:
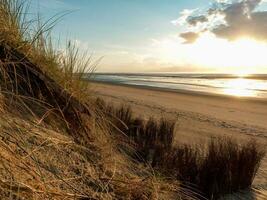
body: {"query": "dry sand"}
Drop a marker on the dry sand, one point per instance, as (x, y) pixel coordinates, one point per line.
(199, 116)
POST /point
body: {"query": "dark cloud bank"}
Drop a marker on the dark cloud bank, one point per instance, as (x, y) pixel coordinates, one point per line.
(241, 19)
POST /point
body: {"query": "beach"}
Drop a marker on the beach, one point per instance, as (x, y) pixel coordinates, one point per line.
(198, 116)
(141, 100)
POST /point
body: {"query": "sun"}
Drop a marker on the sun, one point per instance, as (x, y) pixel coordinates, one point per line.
(242, 56)
(209, 53)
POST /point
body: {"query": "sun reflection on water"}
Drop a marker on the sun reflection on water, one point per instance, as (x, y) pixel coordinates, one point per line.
(239, 87)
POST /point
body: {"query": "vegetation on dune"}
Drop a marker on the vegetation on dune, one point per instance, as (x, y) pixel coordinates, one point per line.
(224, 167)
(56, 142)
(53, 145)
(221, 167)
(33, 72)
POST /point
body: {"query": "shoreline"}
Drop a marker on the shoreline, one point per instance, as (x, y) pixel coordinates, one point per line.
(196, 75)
(185, 92)
(225, 108)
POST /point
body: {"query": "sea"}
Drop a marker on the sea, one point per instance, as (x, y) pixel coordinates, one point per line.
(250, 86)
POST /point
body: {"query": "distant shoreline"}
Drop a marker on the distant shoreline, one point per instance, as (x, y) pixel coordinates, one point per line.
(186, 75)
(181, 91)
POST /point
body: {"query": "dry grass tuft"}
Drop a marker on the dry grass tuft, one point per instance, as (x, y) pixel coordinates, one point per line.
(221, 167)
(224, 167)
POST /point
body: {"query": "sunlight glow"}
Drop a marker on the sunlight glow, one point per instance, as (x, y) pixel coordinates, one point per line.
(239, 88)
(242, 56)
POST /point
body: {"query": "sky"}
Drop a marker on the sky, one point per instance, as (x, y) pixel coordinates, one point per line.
(219, 36)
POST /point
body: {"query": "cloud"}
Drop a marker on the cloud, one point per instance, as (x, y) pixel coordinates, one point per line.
(228, 19)
(189, 37)
(194, 20)
(182, 20)
(242, 20)
(222, 1)
(181, 69)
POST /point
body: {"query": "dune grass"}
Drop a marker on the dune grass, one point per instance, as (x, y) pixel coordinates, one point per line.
(53, 144)
(33, 36)
(221, 167)
(224, 167)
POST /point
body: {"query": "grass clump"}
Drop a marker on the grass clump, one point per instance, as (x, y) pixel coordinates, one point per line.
(147, 136)
(221, 167)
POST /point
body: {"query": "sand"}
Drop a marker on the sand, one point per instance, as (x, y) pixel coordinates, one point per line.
(198, 116)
